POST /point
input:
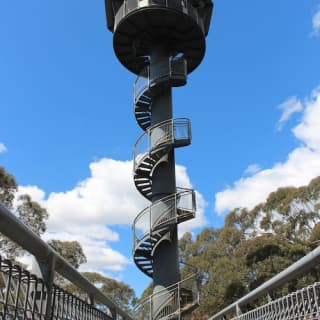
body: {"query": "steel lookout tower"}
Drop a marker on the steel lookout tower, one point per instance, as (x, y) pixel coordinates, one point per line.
(161, 41)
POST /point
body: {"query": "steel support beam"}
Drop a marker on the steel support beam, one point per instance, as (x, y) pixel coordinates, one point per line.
(165, 258)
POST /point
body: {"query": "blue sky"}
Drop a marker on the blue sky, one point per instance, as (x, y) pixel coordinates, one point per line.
(67, 124)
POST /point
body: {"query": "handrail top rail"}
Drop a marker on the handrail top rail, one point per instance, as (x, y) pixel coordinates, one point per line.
(180, 191)
(164, 122)
(159, 125)
(170, 288)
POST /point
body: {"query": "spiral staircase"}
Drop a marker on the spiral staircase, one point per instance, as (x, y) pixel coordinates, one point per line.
(157, 220)
(161, 41)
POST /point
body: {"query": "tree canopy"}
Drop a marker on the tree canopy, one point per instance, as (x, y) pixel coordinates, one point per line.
(8, 187)
(28, 211)
(70, 250)
(122, 294)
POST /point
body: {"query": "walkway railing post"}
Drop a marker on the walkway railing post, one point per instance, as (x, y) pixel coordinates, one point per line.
(238, 310)
(47, 274)
(91, 299)
(113, 313)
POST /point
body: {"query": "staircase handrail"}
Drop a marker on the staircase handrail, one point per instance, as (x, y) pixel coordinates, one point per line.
(175, 286)
(168, 69)
(181, 192)
(170, 135)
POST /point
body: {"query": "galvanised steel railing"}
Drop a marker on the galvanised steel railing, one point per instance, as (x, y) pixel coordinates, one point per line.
(298, 268)
(302, 304)
(173, 206)
(24, 296)
(45, 295)
(168, 71)
(174, 300)
(184, 6)
(169, 133)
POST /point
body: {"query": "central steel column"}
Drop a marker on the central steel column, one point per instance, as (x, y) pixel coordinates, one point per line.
(165, 257)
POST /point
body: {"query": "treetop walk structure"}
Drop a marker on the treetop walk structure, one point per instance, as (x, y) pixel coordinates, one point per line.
(161, 41)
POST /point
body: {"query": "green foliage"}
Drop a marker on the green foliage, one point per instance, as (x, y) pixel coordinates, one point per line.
(119, 292)
(70, 250)
(32, 214)
(255, 245)
(8, 187)
(28, 211)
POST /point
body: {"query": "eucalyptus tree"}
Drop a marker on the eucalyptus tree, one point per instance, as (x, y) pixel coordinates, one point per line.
(28, 211)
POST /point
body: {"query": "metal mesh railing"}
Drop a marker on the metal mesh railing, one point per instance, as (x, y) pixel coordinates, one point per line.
(162, 213)
(300, 305)
(23, 296)
(169, 303)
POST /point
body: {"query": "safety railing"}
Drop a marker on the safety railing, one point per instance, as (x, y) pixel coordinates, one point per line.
(23, 293)
(171, 71)
(163, 212)
(24, 296)
(169, 133)
(302, 304)
(304, 296)
(174, 300)
(183, 6)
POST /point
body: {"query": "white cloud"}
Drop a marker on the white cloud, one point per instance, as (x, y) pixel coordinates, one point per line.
(301, 165)
(316, 23)
(107, 197)
(252, 169)
(308, 130)
(99, 254)
(26, 260)
(88, 212)
(200, 219)
(3, 148)
(289, 107)
(36, 194)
